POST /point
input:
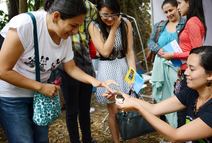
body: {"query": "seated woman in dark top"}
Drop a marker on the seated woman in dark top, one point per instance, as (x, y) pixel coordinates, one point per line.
(198, 127)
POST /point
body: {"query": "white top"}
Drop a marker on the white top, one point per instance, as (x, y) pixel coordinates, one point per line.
(51, 54)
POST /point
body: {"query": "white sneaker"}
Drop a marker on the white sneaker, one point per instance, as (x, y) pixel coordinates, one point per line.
(92, 109)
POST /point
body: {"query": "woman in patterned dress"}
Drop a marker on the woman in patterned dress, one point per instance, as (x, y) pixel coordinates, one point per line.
(112, 36)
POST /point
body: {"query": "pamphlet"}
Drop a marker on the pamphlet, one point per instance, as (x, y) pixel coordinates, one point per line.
(174, 47)
(134, 79)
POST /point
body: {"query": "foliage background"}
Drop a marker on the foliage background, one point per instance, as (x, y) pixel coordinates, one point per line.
(139, 9)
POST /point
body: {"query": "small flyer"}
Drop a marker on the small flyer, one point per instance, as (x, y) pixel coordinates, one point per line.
(130, 76)
(134, 79)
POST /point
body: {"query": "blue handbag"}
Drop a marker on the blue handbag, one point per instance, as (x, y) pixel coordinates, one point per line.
(45, 109)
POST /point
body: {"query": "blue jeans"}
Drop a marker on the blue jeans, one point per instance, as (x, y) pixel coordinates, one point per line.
(16, 120)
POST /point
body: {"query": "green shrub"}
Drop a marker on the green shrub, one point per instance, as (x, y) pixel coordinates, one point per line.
(3, 19)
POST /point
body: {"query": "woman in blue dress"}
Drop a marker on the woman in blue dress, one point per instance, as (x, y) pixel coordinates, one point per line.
(164, 73)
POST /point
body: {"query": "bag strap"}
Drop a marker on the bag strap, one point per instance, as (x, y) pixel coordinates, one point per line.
(158, 30)
(37, 63)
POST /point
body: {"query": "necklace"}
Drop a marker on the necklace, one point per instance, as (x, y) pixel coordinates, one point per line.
(195, 111)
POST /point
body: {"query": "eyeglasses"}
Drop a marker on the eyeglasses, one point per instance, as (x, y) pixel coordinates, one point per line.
(107, 16)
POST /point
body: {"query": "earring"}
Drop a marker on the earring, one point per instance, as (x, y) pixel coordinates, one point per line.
(209, 82)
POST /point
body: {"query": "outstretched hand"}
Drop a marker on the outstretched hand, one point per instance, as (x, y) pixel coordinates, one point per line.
(123, 101)
(128, 103)
(105, 84)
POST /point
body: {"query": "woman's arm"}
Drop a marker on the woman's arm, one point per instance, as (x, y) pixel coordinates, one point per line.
(152, 45)
(72, 70)
(104, 47)
(195, 36)
(75, 72)
(11, 51)
(157, 109)
(196, 129)
(130, 52)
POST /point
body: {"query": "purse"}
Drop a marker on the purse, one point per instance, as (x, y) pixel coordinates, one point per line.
(132, 124)
(45, 109)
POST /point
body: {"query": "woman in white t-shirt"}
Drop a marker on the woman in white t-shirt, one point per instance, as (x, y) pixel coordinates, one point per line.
(17, 72)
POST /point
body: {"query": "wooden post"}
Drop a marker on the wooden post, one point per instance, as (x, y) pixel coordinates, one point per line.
(22, 6)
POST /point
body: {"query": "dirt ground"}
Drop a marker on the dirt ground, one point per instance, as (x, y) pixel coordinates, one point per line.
(58, 132)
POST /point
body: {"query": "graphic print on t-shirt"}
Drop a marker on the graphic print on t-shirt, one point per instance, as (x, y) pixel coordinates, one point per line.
(55, 64)
(30, 62)
(43, 63)
(188, 120)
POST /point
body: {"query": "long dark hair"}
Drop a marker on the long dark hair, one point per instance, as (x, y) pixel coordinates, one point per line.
(114, 6)
(67, 8)
(205, 53)
(196, 9)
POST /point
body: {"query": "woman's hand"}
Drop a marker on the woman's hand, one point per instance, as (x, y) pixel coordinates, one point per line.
(166, 55)
(109, 95)
(116, 23)
(160, 52)
(49, 89)
(123, 101)
(104, 84)
(128, 103)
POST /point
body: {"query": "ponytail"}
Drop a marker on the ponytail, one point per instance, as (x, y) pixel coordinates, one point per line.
(48, 4)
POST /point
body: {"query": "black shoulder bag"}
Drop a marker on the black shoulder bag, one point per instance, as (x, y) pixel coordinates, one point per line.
(132, 124)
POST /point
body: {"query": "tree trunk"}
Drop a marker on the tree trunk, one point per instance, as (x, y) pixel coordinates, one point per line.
(22, 6)
(12, 8)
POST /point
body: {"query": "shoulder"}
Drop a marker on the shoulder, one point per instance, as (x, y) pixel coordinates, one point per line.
(127, 22)
(125, 19)
(22, 23)
(206, 113)
(160, 26)
(187, 96)
(194, 20)
(162, 23)
(95, 24)
(19, 20)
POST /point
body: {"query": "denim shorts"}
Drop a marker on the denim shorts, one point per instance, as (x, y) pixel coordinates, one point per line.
(16, 120)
